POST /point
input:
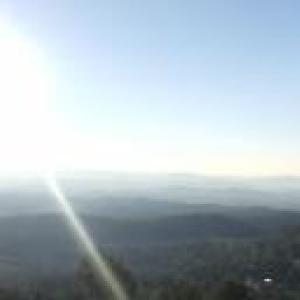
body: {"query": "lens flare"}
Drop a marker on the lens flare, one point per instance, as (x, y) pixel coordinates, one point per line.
(101, 268)
(28, 131)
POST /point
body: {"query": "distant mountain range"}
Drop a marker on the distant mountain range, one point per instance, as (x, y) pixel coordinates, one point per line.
(141, 195)
(136, 214)
(43, 244)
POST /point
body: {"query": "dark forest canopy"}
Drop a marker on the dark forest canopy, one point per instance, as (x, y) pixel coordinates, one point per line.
(237, 253)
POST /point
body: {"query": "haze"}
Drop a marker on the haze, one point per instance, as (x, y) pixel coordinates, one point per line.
(198, 87)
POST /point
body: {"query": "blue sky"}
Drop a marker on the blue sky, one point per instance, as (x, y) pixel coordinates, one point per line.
(197, 86)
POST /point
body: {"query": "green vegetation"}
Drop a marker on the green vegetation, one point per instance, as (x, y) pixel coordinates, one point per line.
(238, 256)
(216, 269)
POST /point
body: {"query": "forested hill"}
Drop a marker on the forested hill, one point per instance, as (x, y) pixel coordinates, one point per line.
(215, 245)
(45, 242)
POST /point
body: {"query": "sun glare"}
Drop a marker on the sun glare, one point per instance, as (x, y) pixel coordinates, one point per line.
(28, 137)
(24, 94)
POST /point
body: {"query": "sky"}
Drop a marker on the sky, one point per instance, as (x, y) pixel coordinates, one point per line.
(208, 87)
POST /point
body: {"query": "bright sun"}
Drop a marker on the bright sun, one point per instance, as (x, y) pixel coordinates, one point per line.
(24, 104)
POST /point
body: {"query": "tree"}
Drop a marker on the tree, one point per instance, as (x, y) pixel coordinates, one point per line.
(234, 290)
(90, 286)
(181, 291)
